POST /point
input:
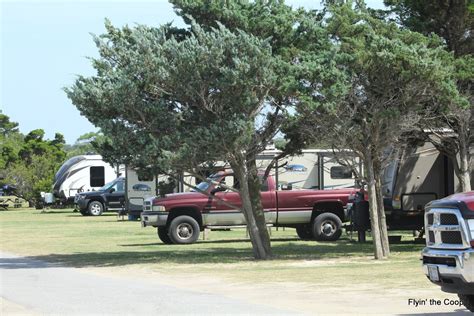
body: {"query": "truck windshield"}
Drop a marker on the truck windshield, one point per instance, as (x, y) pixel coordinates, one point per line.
(107, 186)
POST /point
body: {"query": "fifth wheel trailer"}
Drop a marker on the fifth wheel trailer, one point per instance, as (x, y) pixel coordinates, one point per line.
(420, 175)
(81, 174)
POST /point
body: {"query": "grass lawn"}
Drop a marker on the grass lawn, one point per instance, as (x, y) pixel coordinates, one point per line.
(73, 240)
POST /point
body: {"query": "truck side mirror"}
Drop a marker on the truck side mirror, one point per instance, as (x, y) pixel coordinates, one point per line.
(112, 190)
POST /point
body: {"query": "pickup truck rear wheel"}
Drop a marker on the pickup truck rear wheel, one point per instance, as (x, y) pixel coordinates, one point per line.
(163, 235)
(327, 227)
(184, 230)
(468, 301)
(304, 231)
(95, 208)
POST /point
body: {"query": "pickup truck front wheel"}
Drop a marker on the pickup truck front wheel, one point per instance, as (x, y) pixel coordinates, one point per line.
(95, 208)
(327, 227)
(184, 230)
(468, 301)
(163, 235)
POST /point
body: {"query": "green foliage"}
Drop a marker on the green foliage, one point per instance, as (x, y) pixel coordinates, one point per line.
(28, 162)
(387, 76)
(7, 127)
(453, 20)
(218, 92)
(193, 94)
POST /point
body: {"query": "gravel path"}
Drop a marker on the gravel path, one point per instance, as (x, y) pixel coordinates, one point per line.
(35, 287)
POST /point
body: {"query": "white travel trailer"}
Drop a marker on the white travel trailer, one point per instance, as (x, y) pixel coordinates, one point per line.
(81, 174)
(313, 169)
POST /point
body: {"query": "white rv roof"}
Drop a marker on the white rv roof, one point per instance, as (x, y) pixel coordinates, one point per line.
(92, 157)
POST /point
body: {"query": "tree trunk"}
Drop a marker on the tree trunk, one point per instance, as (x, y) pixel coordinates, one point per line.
(252, 209)
(254, 184)
(464, 171)
(373, 206)
(381, 213)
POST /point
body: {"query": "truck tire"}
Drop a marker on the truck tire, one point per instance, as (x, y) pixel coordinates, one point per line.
(184, 230)
(305, 232)
(327, 227)
(95, 208)
(467, 300)
(163, 235)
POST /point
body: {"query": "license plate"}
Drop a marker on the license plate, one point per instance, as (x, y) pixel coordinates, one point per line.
(433, 273)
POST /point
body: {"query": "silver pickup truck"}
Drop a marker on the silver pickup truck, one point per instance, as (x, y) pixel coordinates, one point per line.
(448, 259)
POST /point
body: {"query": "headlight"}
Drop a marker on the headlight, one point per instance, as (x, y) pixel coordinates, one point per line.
(158, 208)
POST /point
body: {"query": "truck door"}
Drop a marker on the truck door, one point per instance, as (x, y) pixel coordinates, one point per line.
(219, 213)
(222, 214)
(116, 196)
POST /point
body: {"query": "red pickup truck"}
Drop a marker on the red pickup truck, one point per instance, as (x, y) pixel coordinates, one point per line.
(179, 217)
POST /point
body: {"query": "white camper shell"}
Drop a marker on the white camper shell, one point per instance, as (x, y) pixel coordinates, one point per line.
(81, 174)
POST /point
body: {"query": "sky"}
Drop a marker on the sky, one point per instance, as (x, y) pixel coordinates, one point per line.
(45, 45)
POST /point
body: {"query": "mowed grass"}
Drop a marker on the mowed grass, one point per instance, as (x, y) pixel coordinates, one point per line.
(69, 239)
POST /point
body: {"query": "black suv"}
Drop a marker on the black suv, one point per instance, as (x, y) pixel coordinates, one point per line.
(110, 197)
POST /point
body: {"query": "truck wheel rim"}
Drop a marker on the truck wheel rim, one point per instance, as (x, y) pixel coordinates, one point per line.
(95, 209)
(328, 228)
(184, 231)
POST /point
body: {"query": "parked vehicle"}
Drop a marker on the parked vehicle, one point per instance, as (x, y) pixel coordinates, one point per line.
(448, 259)
(313, 169)
(110, 197)
(82, 174)
(180, 217)
(419, 175)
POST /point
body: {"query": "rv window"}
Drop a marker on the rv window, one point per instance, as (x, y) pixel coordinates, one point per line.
(148, 176)
(97, 178)
(341, 172)
(141, 187)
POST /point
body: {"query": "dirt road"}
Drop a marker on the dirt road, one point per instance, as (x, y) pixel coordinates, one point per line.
(31, 287)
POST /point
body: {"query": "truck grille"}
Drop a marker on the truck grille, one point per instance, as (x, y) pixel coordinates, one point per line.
(446, 229)
(449, 219)
(451, 238)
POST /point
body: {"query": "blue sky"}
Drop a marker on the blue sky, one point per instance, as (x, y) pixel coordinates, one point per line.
(44, 45)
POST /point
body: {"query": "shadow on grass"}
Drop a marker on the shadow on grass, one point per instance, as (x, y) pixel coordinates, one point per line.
(48, 212)
(211, 252)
